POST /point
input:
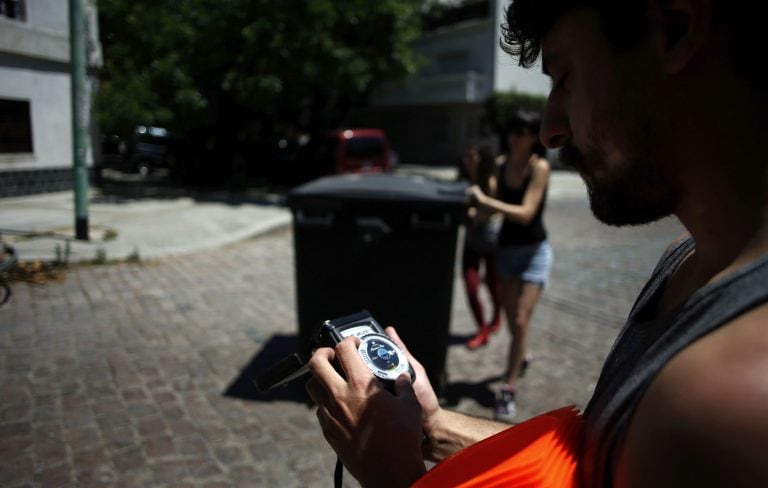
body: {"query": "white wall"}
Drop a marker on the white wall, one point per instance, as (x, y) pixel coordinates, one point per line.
(458, 68)
(508, 75)
(470, 38)
(49, 96)
(44, 35)
(34, 66)
(51, 15)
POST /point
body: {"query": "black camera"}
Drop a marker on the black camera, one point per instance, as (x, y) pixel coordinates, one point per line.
(382, 356)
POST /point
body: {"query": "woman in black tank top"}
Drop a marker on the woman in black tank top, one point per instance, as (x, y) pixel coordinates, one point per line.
(524, 257)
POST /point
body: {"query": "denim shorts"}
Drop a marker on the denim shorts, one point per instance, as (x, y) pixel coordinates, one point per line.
(531, 263)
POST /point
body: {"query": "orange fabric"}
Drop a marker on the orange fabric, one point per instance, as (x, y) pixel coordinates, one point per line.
(540, 452)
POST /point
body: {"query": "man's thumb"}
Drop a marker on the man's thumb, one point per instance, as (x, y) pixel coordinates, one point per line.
(403, 386)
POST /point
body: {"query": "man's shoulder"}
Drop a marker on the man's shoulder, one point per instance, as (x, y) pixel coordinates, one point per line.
(705, 416)
(729, 364)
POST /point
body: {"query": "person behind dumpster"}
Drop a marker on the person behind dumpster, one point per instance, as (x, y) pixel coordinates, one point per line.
(524, 256)
(479, 249)
(661, 105)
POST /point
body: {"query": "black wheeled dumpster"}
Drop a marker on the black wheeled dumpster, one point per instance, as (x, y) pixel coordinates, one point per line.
(381, 242)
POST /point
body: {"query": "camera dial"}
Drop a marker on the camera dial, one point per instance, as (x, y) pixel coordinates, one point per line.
(384, 358)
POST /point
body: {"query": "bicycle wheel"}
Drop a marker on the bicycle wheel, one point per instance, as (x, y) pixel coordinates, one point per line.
(5, 292)
(7, 261)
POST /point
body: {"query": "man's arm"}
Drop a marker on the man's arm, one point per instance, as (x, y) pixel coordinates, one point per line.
(704, 419)
(446, 432)
(453, 431)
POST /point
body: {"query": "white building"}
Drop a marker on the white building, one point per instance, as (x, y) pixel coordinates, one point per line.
(433, 114)
(35, 94)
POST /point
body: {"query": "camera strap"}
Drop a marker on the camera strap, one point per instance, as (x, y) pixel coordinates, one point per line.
(287, 369)
(338, 473)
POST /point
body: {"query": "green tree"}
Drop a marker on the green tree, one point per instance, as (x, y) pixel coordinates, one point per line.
(501, 105)
(226, 73)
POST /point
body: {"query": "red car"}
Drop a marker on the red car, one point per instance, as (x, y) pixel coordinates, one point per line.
(359, 151)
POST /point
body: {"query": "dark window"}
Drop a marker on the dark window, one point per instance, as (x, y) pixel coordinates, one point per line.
(13, 9)
(364, 147)
(15, 127)
(453, 62)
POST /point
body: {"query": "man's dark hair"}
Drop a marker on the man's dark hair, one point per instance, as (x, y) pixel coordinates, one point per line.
(528, 21)
(624, 23)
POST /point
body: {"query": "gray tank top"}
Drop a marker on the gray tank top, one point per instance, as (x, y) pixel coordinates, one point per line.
(646, 344)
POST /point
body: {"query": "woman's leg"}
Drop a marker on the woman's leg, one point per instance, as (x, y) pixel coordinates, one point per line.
(495, 290)
(520, 300)
(471, 271)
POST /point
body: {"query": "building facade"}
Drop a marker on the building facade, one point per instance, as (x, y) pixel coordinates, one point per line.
(433, 114)
(36, 95)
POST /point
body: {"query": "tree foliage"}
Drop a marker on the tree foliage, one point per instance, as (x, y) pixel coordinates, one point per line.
(236, 70)
(501, 105)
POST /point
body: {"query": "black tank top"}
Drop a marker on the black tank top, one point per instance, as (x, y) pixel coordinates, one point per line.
(516, 234)
(645, 346)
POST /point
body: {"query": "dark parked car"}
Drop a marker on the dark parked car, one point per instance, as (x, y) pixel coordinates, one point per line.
(149, 148)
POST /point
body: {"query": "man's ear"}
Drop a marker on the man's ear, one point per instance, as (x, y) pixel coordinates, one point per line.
(683, 26)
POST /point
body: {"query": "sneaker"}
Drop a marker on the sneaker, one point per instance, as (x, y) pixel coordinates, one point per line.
(524, 366)
(495, 326)
(480, 339)
(506, 409)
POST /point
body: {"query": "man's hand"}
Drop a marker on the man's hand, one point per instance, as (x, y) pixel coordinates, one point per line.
(376, 434)
(430, 407)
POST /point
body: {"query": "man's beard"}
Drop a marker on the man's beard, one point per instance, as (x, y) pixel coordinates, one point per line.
(631, 194)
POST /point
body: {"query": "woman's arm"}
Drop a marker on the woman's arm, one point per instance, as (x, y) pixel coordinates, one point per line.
(532, 200)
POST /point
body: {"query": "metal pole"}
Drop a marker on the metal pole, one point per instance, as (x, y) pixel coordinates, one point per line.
(79, 116)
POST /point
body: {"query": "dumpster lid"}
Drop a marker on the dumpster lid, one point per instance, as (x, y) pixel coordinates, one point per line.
(381, 187)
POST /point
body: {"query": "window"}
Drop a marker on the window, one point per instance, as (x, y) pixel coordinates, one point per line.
(15, 127)
(13, 9)
(364, 147)
(453, 62)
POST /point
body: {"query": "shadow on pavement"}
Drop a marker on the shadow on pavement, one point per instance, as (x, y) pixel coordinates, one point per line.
(478, 391)
(459, 340)
(277, 348)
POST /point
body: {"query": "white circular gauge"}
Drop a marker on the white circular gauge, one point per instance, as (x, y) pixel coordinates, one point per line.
(383, 356)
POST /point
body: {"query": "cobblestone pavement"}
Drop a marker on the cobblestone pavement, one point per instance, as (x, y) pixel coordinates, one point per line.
(138, 374)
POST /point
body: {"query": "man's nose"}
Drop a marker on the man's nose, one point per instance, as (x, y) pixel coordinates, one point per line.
(555, 127)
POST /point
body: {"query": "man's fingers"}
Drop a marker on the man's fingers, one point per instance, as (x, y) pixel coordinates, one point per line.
(316, 391)
(329, 427)
(322, 369)
(351, 362)
(392, 333)
(415, 364)
(404, 388)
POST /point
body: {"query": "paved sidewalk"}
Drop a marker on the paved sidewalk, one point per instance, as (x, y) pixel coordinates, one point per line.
(139, 374)
(121, 227)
